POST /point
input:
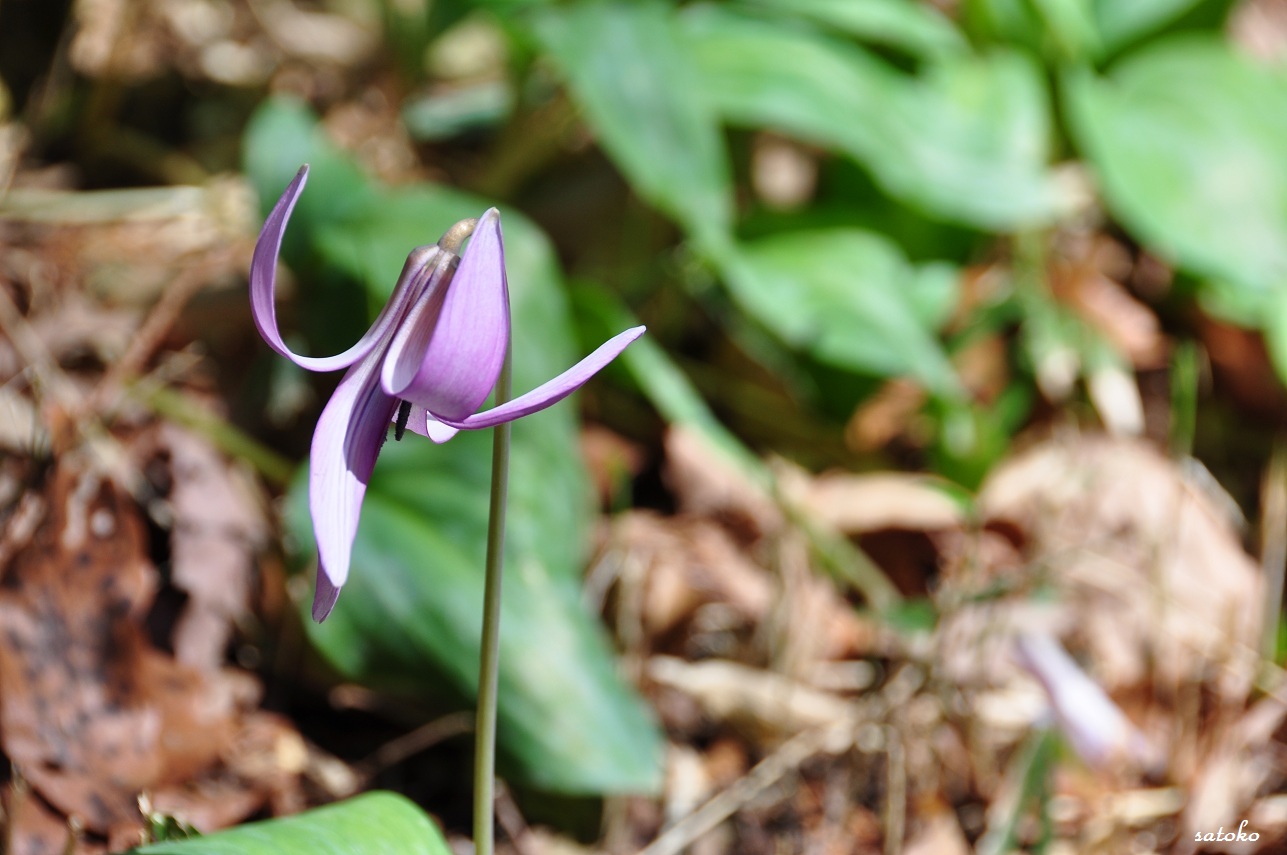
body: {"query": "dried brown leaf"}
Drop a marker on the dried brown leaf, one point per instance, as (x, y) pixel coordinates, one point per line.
(219, 524)
(706, 484)
(856, 504)
(766, 704)
(90, 713)
(941, 835)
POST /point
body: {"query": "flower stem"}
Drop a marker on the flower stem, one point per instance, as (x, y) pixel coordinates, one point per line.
(489, 663)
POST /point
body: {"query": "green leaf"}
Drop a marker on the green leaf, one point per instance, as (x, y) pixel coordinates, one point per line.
(370, 824)
(633, 80)
(1120, 23)
(410, 617)
(850, 298)
(1189, 142)
(1070, 28)
(1058, 30)
(283, 135)
(915, 27)
(967, 140)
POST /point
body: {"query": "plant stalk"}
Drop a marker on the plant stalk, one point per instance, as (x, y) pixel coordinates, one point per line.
(489, 662)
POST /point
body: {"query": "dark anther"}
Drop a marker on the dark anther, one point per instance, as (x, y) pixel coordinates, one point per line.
(400, 426)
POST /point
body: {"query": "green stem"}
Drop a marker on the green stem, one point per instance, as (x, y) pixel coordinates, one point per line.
(489, 662)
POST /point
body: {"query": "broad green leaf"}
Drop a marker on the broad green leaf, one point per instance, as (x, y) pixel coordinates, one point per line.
(850, 298)
(281, 137)
(410, 617)
(370, 824)
(967, 140)
(1189, 142)
(1070, 28)
(915, 27)
(443, 115)
(1059, 30)
(1121, 22)
(1012, 22)
(628, 70)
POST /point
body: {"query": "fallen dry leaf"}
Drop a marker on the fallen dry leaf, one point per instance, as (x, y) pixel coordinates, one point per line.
(91, 714)
(856, 504)
(219, 525)
(764, 702)
(706, 484)
(941, 836)
(81, 718)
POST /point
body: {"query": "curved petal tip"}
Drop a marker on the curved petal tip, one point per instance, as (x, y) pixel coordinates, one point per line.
(324, 597)
(552, 391)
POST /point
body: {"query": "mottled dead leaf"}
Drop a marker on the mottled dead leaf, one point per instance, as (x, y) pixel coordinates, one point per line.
(218, 526)
(91, 713)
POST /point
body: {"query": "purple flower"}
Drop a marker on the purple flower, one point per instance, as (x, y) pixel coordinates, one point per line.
(1095, 726)
(430, 360)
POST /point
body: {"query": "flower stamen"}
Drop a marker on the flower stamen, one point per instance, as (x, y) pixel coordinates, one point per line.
(400, 424)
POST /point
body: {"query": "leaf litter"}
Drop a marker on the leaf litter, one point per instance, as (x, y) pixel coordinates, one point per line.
(127, 556)
(1093, 589)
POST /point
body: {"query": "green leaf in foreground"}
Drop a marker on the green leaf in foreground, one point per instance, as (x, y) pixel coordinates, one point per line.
(851, 299)
(1190, 144)
(370, 824)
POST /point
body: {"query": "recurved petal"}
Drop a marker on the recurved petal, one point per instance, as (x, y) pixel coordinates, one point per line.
(263, 284)
(345, 445)
(551, 392)
(458, 358)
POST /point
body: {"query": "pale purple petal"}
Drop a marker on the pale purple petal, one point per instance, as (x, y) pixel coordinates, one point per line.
(1095, 726)
(345, 444)
(437, 431)
(263, 279)
(461, 349)
(553, 391)
(406, 352)
(324, 596)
